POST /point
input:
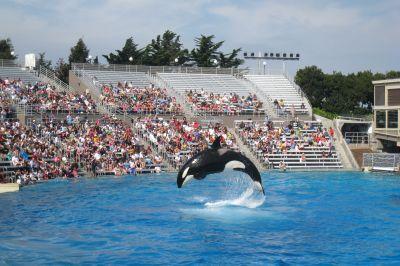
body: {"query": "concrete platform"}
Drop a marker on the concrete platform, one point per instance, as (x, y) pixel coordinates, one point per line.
(9, 187)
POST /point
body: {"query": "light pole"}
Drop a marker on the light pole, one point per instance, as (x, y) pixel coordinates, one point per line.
(272, 56)
(89, 59)
(131, 59)
(264, 64)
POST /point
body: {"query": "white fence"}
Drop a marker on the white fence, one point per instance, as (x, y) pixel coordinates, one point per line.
(381, 161)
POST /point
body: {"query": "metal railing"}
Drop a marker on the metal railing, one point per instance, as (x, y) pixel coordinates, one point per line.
(9, 63)
(357, 138)
(158, 69)
(366, 119)
(267, 100)
(37, 109)
(382, 161)
(299, 91)
(52, 78)
(388, 131)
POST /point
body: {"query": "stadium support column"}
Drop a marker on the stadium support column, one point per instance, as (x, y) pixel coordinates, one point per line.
(259, 63)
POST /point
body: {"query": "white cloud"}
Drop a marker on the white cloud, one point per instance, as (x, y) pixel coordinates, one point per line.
(332, 35)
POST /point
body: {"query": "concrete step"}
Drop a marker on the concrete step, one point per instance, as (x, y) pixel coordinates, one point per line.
(246, 151)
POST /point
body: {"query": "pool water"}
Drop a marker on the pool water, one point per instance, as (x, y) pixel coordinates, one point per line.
(305, 218)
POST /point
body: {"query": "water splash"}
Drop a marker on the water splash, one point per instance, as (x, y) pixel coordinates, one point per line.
(250, 198)
(237, 189)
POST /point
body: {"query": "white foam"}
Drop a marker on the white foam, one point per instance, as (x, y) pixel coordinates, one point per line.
(247, 199)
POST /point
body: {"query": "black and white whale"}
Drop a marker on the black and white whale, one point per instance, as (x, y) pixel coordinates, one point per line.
(216, 160)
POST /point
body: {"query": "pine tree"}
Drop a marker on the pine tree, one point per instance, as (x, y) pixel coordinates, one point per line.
(79, 53)
(122, 56)
(7, 49)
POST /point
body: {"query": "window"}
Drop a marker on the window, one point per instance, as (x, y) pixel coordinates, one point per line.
(393, 119)
(379, 95)
(394, 97)
(380, 119)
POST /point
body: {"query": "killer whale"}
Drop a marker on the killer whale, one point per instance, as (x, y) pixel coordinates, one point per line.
(216, 160)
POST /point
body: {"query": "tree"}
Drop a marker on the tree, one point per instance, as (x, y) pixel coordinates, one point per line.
(163, 50)
(392, 74)
(7, 50)
(206, 51)
(338, 93)
(230, 60)
(312, 80)
(79, 53)
(43, 62)
(130, 49)
(62, 70)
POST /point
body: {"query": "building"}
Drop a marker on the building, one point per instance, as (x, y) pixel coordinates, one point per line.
(386, 113)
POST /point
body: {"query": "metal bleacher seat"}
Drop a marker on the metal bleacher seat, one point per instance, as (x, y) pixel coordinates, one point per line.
(18, 73)
(216, 83)
(316, 156)
(279, 87)
(138, 79)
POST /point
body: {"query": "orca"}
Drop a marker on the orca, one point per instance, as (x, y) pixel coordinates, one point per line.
(216, 160)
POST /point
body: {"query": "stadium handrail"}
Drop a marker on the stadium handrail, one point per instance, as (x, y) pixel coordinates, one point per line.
(300, 91)
(157, 69)
(52, 78)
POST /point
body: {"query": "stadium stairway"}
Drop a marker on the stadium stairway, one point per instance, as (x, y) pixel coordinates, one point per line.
(277, 87)
(159, 82)
(49, 76)
(95, 93)
(346, 156)
(246, 150)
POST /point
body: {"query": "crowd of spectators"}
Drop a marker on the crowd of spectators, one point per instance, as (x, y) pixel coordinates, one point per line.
(228, 104)
(43, 96)
(134, 100)
(181, 139)
(53, 148)
(291, 138)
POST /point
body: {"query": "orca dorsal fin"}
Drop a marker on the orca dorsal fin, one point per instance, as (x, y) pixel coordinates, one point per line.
(217, 143)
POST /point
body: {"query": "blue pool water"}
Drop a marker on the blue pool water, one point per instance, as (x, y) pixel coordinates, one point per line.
(306, 218)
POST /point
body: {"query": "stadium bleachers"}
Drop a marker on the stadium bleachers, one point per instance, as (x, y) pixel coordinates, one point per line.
(18, 73)
(138, 79)
(278, 87)
(272, 146)
(215, 83)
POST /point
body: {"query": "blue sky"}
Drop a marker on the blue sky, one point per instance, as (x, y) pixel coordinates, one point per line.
(344, 36)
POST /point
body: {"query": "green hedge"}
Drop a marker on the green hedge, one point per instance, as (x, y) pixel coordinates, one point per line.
(325, 114)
